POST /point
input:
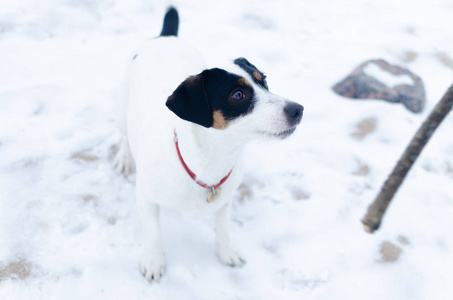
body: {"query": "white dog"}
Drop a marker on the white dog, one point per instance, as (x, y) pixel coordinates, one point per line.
(188, 154)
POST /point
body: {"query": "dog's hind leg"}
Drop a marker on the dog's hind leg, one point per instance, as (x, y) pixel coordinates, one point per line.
(124, 161)
(225, 249)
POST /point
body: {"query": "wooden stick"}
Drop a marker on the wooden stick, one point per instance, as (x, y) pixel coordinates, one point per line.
(376, 210)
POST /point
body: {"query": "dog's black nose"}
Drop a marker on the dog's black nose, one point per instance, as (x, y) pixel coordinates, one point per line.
(294, 113)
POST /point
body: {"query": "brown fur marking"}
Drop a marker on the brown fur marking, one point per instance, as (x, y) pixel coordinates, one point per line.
(219, 120)
(257, 75)
(243, 81)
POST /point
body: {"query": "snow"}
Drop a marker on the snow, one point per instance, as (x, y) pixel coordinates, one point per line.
(68, 223)
(387, 78)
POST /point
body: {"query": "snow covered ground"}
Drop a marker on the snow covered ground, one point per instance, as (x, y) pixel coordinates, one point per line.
(68, 223)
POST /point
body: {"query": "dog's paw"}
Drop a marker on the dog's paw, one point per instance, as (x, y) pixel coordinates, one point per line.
(124, 162)
(229, 256)
(153, 267)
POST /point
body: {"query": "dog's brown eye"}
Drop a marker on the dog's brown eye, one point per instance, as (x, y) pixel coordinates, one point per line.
(238, 95)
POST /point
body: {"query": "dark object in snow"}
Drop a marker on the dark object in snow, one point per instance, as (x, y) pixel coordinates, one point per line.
(376, 210)
(377, 79)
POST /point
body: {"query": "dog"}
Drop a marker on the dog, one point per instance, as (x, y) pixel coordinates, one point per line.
(188, 153)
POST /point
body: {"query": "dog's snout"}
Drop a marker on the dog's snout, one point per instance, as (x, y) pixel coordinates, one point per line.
(294, 113)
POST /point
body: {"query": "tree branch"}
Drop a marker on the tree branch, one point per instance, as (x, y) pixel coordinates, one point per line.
(376, 210)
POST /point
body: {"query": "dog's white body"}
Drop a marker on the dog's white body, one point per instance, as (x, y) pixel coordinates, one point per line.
(161, 179)
(153, 76)
(161, 66)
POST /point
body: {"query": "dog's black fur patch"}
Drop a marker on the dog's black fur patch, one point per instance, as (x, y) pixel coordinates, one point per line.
(220, 86)
(199, 96)
(257, 76)
(171, 23)
(190, 102)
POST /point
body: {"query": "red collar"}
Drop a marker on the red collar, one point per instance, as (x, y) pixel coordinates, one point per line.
(192, 174)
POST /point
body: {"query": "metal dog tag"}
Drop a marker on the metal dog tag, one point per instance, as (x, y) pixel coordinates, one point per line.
(213, 195)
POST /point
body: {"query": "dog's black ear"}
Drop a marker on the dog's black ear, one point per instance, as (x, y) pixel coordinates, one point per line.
(190, 101)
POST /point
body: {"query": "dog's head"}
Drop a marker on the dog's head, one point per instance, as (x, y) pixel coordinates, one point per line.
(238, 100)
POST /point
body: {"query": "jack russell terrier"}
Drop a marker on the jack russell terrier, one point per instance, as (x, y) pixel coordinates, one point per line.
(188, 155)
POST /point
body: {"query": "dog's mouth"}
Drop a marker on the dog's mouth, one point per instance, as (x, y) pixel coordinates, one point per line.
(282, 134)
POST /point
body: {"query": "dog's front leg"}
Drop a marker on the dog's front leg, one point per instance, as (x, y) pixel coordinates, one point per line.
(225, 249)
(152, 264)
